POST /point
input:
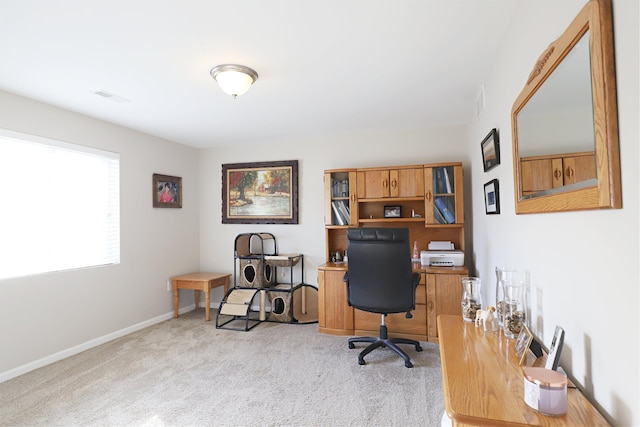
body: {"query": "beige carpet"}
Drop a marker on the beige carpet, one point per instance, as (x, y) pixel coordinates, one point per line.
(185, 372)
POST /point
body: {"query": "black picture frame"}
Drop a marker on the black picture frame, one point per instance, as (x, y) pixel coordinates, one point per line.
(244, 182)
(392, 211)
(490, 147)
(492, 197)
(167, 191)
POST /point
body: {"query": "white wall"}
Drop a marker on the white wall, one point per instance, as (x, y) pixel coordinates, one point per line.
(49, 316)
(583, 266)
(314, 155)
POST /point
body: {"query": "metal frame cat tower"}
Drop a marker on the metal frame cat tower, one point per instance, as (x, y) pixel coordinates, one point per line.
(256, 263)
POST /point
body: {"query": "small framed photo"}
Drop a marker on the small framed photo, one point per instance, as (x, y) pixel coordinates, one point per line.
(392, 212)
(167, 191)
(491, 150)
(492, 197)
(525, 337)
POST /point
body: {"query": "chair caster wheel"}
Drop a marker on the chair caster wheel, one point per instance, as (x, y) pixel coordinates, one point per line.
(418, 348)
(361, 362)
(351, 346)
(408, 364)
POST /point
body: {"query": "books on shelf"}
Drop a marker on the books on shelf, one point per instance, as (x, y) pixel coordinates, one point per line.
(441, 206)
(443, 183)
(340, 188)
(447, 181)
(341, 212)
(439, 218)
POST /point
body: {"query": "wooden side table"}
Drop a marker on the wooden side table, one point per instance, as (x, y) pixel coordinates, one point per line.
(199, 282)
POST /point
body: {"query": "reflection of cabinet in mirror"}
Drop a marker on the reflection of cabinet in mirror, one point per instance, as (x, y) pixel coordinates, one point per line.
(542, 173)
(569, 105)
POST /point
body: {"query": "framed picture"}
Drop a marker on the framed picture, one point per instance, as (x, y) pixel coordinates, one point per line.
(492, 197)
(491, 150)
(167, 191)
(522, 343)
(260, 193)
(392, 212)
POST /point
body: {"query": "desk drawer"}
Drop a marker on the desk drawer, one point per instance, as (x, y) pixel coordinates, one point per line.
(396, 322)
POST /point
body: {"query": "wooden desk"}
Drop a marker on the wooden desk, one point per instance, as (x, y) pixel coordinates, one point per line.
(483, 383)
(439, 292)
(199, 282)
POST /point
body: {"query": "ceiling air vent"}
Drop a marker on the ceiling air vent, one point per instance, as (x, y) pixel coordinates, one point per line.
(111, 96)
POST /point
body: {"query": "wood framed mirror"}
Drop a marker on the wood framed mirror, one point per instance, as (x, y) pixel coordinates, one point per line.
(565, 121)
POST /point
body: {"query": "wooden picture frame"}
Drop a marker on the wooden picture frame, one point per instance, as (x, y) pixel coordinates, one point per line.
(490, 146)
(260, 193)
(167, 191)
(525, 337)
(392, 211)
(492, 197)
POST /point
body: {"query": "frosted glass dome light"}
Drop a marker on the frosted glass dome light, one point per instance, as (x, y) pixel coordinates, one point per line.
(234, 79)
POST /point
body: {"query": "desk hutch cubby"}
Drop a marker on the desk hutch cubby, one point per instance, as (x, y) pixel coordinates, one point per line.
(427, 199)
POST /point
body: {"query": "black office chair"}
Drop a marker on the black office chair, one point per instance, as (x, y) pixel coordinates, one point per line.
(380, 280)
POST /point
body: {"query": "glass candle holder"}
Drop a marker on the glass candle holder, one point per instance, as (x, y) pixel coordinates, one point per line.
(471, 298)
(514, 308)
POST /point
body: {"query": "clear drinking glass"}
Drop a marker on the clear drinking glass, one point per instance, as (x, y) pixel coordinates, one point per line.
(503, 275)
(514, 308)
(471, 298)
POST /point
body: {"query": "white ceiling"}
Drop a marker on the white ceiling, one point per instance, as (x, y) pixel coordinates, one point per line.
(325, 66)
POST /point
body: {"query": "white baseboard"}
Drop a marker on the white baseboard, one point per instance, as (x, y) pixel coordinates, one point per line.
(20, 370)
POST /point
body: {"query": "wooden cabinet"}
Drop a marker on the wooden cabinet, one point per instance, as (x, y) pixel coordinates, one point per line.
(340, 203)
(444, 201)
(540, 173)
(401, 182)
(444, 293)
(422, 193)
(335, 316)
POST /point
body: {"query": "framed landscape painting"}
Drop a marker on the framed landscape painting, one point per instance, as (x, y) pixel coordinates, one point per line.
(260, 193)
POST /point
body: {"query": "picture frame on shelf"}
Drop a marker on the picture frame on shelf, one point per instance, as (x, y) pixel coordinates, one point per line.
(523, 341)
(260, 192)
(490, 146)
(492, 197)
(392, 212)
(167, 191)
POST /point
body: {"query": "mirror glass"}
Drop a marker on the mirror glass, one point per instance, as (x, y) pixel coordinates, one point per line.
(563, 103)
(565, 142)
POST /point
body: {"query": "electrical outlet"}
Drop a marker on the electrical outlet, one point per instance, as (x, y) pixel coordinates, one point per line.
(169, 285)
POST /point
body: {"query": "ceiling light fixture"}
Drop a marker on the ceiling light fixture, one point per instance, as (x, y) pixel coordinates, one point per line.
(234, 79)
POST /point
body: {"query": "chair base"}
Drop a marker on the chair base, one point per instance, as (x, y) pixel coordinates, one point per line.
(384, 341)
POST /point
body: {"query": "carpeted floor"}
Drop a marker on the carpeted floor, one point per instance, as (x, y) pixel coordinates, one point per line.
(185, 372)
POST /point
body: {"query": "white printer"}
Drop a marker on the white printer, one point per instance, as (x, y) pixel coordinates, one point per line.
(442, 254)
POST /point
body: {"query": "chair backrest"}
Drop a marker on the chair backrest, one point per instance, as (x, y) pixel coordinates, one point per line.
(379, 278)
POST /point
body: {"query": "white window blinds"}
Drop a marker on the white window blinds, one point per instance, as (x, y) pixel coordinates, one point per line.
(59, 206)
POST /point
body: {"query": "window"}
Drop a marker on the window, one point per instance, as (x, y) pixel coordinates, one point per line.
(59, 206)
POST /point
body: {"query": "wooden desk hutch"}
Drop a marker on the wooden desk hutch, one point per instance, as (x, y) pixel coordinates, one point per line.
(430, 198)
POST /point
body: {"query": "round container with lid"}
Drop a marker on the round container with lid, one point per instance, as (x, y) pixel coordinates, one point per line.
(545, 390)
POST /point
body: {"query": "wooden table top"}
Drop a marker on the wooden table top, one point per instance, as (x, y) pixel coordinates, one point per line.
(483, 382)
(201, 276)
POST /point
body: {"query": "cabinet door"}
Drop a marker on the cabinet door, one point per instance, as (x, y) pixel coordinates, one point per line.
(406, 182)
(537, 175)
(373, 184)
(335, 316)
(444, 195)
(579, 168)
(444, 293)
(340, 206)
